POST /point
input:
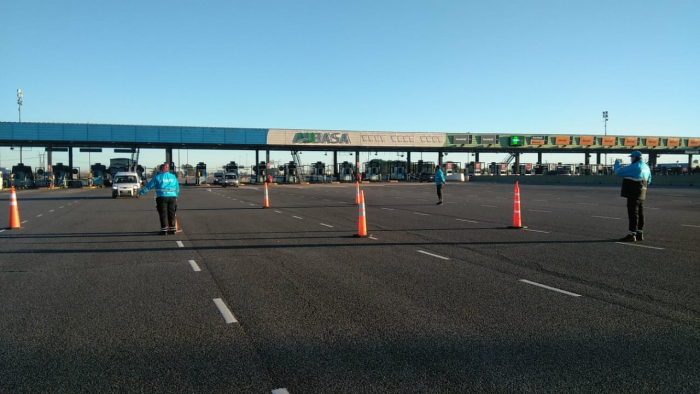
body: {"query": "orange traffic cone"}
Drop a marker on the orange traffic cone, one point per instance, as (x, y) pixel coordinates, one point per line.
(14, 209)
(267, 200)
(357, 193)
(177, 227)
(362, 222)
(517, 223)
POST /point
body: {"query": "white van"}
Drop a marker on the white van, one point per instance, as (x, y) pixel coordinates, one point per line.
(218, 176)
(126, 183)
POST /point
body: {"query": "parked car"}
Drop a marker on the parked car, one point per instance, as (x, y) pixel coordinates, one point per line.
(426, 177)
(126, 183)
(218, 176)
(229, 179)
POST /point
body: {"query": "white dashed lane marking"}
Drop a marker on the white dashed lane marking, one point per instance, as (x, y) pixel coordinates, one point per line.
(194, 265)
(550, 288)
(434, 255)
(225, 312)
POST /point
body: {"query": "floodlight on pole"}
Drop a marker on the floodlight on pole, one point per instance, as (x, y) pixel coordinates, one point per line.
(19, 102)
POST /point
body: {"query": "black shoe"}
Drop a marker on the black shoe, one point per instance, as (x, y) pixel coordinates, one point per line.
(172, 230)
(629, 238)
(163, 231)
(439, 203)
(640, 236)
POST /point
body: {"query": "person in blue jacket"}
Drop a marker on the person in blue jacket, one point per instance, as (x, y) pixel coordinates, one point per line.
(636, 178)
(167, 189)
(439, 182)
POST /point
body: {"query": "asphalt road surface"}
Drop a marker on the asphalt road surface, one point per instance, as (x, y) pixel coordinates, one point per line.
(439, 299)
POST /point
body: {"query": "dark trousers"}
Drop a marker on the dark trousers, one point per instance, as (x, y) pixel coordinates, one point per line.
(166, 210)
(635, 212)
(439, 191)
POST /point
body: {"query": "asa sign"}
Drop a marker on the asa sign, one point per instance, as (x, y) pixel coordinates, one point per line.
(321, 138)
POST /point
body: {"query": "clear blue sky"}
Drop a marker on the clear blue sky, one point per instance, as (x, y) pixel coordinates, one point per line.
(530, 67)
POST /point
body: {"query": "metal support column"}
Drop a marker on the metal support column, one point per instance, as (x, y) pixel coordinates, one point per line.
(440, 159)
(408, 164)
(336, 174)
(539, 158)
(476, 157)
(652, 159)
(357, 165)
(169, 158)
(267, 165)
(517, 164)
(257, 160)
(70, 162)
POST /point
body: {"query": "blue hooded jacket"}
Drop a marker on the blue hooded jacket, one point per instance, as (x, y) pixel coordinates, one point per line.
(636, 178)
(165, 183)
(439, 177)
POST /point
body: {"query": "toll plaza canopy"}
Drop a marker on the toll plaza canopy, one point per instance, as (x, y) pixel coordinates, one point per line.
(133, 136)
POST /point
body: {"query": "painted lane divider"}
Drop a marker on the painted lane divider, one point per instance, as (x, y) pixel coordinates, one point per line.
(371, 237)
(297, 217)
(549, 288)
(689, 225)
(536, 231)
(423, 214)
(278, 211)
(194, 265)
(465, 220)
(539, 210)
(40, 215)
(327, 225)
(434, 255)
(605, 217)
(280, 391)
(179, 243)
(639, 246)
(225, 312)
(51, 210)
(389, 209)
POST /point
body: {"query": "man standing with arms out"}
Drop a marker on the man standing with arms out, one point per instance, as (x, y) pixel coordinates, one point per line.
(636, 178)
(167, 189)
(439, 182)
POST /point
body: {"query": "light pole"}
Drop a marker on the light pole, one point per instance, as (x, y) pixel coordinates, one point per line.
(19, 103)
(605, 121)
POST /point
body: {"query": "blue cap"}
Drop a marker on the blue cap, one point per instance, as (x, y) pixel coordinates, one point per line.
(636, 154)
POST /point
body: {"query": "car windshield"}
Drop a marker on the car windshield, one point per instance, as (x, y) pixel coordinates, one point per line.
(230, 177)
(125, 179)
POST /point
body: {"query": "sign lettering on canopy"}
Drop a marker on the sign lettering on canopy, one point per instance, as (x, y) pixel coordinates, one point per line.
(651, 141)
(608, 141)
(538, 140)
(489, 139)
(673, 142)
(630, 141)
(462, 139)
(562, 140)
(586, 140)
(694, 142)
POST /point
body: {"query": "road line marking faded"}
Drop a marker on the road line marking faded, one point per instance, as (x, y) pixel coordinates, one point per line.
(179, 243)
(434, 255)
(389, 209)
(40, 215)
(465, 220)
(225, 312)
(490, 206)
(371, 237)
(536, 231)
(689, 225)
(51, 210)
(586, 203)
(418, 213)
(194, 265)
(538, 210)
(278, 211)
(637, 245)
(2, 231)
(60, 207)
(24, 221)
(327, 225)
(605, 217)
(280, 391)
(550, 288)
(297, 217)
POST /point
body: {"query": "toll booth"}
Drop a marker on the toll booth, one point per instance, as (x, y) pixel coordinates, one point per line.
(5, 178)
(453, 171)
(524, 169)
(475, 168)
(290, 172)
(100, 175)
(373, 170)
(61, 175)
(498, 169)
(231, 167)
(261, 170)
(421, 167)
(200, 174)
(397, 170)
(23, 176)
(318, 172)
(347, 172)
